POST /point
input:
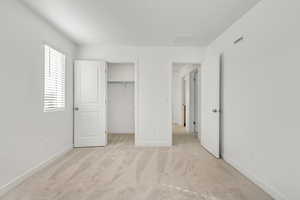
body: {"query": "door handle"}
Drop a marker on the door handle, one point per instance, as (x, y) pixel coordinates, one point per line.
(76, 108)
(215, 111)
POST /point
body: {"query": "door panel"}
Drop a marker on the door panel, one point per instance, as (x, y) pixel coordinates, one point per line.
(90, 104)
(210, 104)
(89, 87)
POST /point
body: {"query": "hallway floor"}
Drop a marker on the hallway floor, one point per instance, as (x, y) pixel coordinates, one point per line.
(121, 171)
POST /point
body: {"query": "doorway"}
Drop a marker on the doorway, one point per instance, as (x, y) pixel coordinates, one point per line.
(194, 99)
(121, 103)
(185, 100)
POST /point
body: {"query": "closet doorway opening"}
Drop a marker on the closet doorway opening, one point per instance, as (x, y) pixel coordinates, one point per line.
(121, 103)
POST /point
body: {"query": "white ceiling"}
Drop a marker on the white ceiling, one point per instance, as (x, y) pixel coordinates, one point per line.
(142, 22)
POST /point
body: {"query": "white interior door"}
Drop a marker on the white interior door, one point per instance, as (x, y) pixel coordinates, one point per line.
(210, 104)
(193, 102)
(196, 102)
(90, 103)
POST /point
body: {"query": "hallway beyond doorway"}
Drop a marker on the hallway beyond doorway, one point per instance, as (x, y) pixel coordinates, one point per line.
(179, 130)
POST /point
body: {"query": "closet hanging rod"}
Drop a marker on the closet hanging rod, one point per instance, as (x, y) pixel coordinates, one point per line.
(120, 82)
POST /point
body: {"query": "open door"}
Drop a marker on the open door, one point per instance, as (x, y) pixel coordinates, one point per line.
(194, 101)
(210, 104)
(90, 82)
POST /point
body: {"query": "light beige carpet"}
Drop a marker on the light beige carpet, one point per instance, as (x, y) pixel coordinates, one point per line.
(121, 171)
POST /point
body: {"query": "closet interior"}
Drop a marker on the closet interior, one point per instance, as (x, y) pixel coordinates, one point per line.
(121, 99)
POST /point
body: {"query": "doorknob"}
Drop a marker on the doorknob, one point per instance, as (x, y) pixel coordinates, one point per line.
(76, 108)
(215, 110)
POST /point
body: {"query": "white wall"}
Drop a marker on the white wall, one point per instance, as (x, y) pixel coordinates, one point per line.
(121, 98)
(154, 88)
(120, 108)
(28, 135)
(177, 99)
(261, 96)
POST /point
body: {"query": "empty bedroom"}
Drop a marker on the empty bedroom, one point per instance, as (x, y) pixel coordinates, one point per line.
(149, 100)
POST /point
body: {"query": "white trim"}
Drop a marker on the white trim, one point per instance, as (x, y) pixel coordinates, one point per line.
(136, 101)
(16, 181)
(171, 100)
(267, 187)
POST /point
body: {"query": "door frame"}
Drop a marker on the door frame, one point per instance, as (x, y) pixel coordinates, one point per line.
(183, 101)
(136, 91)
(221, 122)
(195, 93)
(171, 64)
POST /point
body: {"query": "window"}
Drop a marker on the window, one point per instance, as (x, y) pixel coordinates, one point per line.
(54, 80)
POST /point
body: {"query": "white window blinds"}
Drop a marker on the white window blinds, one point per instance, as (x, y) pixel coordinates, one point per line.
(54, 77)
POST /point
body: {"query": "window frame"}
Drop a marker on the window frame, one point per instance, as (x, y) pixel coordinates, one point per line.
(57, 109)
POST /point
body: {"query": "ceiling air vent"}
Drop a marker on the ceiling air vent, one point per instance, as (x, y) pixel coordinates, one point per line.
(240, 39)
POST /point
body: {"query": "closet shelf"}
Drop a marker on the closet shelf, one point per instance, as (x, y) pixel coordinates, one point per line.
(120, 82)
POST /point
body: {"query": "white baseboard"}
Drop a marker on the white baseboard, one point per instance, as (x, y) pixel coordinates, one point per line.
(153, 143)
(267, 187)
(15, 182)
